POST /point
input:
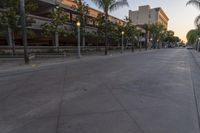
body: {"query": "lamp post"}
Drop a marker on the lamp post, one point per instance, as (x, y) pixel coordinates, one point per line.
(78, 24)
(122, 46)
(24, 31)
(56, 34)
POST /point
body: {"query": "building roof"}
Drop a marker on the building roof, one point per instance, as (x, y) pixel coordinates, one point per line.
(92, 11)
(162, 11)
(157, 9)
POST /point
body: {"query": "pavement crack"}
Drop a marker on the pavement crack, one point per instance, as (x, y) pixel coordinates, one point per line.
(61, 98)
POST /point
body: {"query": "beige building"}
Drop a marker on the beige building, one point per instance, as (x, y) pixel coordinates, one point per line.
(148, 15)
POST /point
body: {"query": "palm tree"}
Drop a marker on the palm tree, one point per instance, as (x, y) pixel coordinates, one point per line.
(56, 26)
(156, 31)
(130, 32)
(192, 37)
(115, 32)
(100, 29)
(82, 8)
(138, 33)
(9, 18)
(197, 4)
(147, 29)
(109, 6)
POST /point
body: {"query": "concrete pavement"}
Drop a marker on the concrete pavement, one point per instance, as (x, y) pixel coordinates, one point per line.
(147, 92)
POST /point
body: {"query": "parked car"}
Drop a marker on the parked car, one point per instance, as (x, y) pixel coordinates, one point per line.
(189, 47)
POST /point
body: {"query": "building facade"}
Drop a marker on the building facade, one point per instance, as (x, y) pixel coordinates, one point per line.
(41, 16)
(147, 15)
(45, 7)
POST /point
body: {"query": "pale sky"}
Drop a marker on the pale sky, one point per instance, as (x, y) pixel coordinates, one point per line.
(181, 16)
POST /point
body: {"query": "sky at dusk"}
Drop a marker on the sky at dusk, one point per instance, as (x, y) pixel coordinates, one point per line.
(181, 16)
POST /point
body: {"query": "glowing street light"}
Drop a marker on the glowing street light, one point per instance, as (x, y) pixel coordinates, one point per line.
(78, 24)
(57, 7)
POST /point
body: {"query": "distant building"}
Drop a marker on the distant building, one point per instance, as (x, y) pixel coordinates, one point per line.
(146, 15)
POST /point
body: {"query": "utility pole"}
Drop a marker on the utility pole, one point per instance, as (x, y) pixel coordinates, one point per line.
(24, 30)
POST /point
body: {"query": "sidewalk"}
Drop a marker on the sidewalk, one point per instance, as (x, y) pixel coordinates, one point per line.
(195, 72)
(15, 64)
(196, 54)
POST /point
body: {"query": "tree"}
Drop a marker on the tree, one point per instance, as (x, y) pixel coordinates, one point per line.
(100, 27)
(113, 29)
(196, 3)
(129, 30)
(10, 18)
(82, 9)
(192, 35)
(176, 39)
(169, 37)
(57, 24)
(147, 30)
(138, 33)
(109, 6)
(156, 32)
(115, 32)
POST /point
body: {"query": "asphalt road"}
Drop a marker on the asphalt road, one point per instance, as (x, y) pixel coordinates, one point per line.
(146, 92)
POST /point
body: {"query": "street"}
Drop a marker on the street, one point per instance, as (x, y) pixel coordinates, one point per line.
(155, 91)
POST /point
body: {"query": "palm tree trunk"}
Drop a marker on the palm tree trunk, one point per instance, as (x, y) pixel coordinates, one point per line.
(83, 41)
(138, 44)
(158, 44)
(13, 43)
(138, 41)
(132, 47)
(83, 38)
(57, 40)
(146, 40)
(97, 44)
(196, 47)
(11, 40)
(154, 42)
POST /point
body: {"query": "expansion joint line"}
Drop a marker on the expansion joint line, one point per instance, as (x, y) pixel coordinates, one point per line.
(125, 109)
(61, 98)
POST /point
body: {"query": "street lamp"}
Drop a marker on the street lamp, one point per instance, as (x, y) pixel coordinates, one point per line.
(57, 7)
(24, 30)
(122, 46)
(78, 24)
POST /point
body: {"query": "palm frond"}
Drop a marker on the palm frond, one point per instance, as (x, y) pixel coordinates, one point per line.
(194, 2)
(197, 21)
(99, 3)
(117, 4)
